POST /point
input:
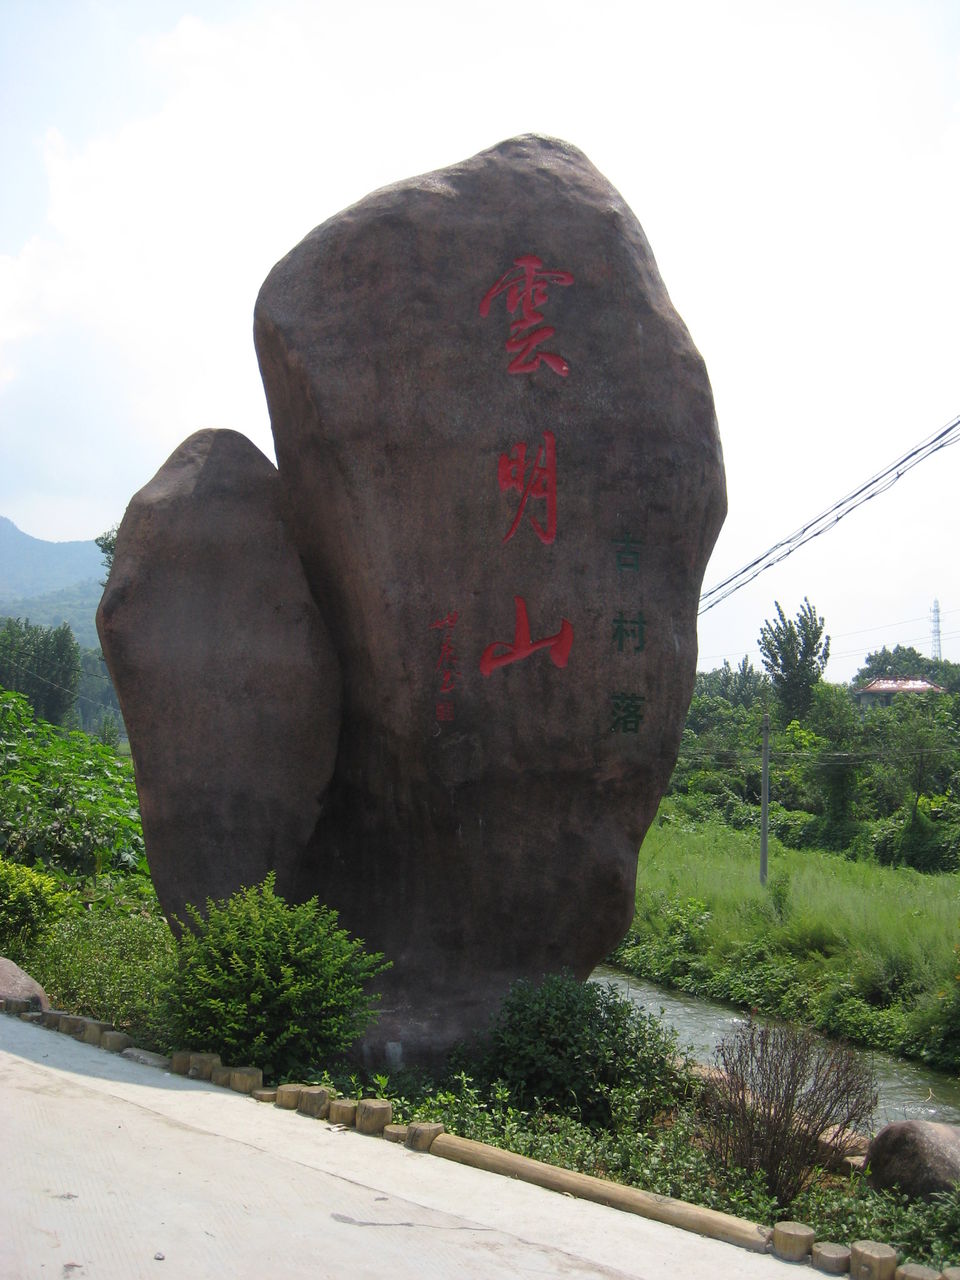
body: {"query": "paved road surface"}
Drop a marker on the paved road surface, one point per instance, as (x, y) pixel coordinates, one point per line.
(117, 1171)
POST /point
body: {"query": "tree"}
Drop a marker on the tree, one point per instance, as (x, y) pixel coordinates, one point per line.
(740, 686)
(924, 740)
(908, 663)
(836, 770)
(107, 542)
(795, 655)
(42, 663)
(97, 704)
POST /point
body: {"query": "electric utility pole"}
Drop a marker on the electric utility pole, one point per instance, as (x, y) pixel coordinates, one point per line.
(764, 797)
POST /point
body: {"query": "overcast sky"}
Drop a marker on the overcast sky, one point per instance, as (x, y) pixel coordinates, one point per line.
(796, 168)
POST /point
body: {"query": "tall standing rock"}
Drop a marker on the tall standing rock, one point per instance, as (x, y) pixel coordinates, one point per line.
(228, 683)
(501, 468)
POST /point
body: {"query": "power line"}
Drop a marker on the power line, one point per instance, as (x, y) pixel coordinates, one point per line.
(880, 483)
(865, 650)
(79, 697)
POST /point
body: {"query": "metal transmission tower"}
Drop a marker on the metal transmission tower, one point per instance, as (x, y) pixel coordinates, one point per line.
(935, 631)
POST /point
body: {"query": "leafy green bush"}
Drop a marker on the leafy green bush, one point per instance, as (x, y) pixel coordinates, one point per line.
(666, 1159)
(111, 966)
(65, 799)
(584, 1049)
(270, 984)
(795, 828)
(29, 902)
(666, 940)
(922, 1231)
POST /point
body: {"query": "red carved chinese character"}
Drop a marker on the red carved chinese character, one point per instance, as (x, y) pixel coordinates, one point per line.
(542, 484)
(525, 285)
(522, 647)
(442, 624)
(448, 655)
(447, 663)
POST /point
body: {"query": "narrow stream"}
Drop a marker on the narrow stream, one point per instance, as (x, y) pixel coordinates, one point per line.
(908, 1091)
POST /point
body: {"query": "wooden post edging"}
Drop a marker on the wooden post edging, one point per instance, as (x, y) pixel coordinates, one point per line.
(674, 1213)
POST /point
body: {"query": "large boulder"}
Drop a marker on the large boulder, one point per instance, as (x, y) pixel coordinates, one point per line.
(16, 984)
(501, 468)
(917, 1156)
(225, 674)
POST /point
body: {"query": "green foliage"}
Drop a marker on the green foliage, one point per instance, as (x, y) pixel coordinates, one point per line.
(97, 708)
(794, 655)
(42, 663)
(666, 941)
(576, 1047)
(884, 783)
(925, 742)
(270, 984)
(666, 1158)
(108, 964)
(856, 950)
(75, 605)
(65, 800)
(29, 903)
(922, 1231)
(740, 687)
(914, 837)
(107, 542)
(835, 772)
(906, 663)
(111, 954)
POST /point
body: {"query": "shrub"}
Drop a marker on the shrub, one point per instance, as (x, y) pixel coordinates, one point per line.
(109, 966)
(65, 800)
(29, 902)
(270, 984)
(926, 840)
(584, 1049)
(780, 1094)
(793, 827)
(922, 1231)
(666, 1160)
(671, 936)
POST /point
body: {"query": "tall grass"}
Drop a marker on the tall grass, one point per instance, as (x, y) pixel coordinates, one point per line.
(859, 907)
(858, 949)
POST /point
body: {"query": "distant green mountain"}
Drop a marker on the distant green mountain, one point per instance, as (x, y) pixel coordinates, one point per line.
(50, 582)
(76, 604)
(31, 567)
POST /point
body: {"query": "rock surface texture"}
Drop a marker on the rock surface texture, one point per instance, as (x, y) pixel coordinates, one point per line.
(918, 1156)
(501, 469)
(16, 984)
(228, 683)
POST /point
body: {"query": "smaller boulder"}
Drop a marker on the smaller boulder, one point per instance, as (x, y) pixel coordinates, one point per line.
(17, 985)
(917, 1156)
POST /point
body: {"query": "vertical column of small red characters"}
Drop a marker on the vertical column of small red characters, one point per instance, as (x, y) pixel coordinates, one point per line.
(532, 475)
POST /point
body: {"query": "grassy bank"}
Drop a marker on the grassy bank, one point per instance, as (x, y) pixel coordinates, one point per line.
(858, 950)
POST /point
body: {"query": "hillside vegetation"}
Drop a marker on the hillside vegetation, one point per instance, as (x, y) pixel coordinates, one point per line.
(33, 566)
(76, 605)
(863, 952)
(856, 929)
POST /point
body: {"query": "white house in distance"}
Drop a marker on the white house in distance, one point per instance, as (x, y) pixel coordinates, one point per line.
(882, 691)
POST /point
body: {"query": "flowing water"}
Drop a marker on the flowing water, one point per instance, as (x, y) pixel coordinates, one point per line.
(907, 1090)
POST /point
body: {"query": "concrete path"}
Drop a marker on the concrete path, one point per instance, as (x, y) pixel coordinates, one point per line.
(114, 1170)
